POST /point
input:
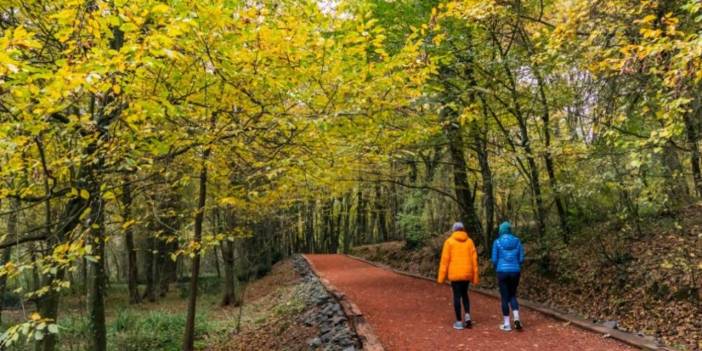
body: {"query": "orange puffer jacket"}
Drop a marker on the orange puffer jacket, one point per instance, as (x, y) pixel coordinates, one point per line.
(459, 260)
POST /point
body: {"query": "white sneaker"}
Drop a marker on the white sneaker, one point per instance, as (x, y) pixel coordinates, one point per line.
(468, 323)
(505, 328)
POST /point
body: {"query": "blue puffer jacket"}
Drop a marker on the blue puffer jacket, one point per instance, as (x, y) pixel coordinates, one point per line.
(507, 251)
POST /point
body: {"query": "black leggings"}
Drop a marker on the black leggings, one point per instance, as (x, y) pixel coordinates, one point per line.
(508, 282)
(460, 292)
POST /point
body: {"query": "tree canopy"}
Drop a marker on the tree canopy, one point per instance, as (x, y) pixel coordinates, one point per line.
(185, 127)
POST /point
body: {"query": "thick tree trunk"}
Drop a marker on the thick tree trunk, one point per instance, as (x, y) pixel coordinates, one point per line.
(462, 189)
(132, 268)
(189, 337)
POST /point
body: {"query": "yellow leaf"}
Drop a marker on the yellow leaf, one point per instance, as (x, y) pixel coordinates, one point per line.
(160, 8)
(84, 194)
(35, 316)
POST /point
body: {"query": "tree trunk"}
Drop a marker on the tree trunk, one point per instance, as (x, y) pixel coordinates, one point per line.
(309, 226)
(361, 230)
(328, 230)
(337, 225)
(231, 280)
(132, 268)
(49, 303)
(380, 214)
(692, 134)
(488, 190)
(158, 265)
(677, 189)
(189, 338)
(548, 159)
(149, 268)
(462, 189)
(96, 273)
(7, 252)
(347, 223)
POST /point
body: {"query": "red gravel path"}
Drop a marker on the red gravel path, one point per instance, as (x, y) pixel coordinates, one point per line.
(414, 314)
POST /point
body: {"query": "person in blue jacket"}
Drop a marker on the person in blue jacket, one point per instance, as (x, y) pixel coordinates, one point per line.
(507, 257)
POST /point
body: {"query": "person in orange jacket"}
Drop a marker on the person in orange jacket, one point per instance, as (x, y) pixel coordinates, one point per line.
(459, 262)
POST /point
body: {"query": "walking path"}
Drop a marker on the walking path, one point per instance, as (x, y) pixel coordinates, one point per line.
(414, 314)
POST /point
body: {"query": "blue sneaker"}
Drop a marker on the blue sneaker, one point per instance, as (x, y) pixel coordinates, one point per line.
(458, 325)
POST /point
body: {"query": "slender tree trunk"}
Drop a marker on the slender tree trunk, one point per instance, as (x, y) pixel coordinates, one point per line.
(337, 225)
(380, 214)
(149, 268)
(268, 246)
(158, 268)
(535, 182)
(548, 159)
(488, 191)
(7, 252)
(96, 293)
(677, 189)
(96, 273)
(231, 280)
(49, 303)
(533, 171)
(309, 226)
(347, 223)
(328, 223)
(361, 220)
(189, 338)
(692, 134)
(132, 268)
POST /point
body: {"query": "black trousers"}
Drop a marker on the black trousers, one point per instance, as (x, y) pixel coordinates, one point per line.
(460, 292)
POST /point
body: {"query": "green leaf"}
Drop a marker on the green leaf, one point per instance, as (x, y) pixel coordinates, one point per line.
(53, 329)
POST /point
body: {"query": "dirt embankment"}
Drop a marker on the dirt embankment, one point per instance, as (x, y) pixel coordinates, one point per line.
(649, 283)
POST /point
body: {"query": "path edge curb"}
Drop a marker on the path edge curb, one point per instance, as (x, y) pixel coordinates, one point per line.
(369, 341)
(626, 338)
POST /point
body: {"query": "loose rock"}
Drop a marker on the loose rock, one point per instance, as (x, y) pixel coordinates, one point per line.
(324, 312)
